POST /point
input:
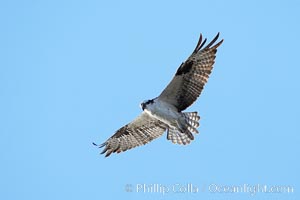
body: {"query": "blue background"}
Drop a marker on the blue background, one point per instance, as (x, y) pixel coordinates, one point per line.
(73, 72)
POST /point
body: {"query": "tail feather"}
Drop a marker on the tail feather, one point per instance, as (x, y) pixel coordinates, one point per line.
(178, 137)
(192, 120)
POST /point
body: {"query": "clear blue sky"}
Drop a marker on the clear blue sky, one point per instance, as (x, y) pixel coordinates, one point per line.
(73, 72)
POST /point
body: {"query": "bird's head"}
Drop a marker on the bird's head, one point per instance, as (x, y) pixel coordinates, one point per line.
(146, 103)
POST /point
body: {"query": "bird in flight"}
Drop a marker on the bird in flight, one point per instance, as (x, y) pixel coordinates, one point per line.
(164, 113)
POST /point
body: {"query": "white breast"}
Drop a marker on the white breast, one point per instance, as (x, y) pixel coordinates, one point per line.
(164, 112)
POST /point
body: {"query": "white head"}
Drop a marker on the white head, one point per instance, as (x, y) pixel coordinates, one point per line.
(146, 103)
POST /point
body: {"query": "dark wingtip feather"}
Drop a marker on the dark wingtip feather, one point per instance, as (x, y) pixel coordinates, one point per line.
(203, 43)
(99, 145)
(108, 154)
(213, 41)
(198, 44)
(95, 144)
(104, 151)
(102, 145)
(218, 44)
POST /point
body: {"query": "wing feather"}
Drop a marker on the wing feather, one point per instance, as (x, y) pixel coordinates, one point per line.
(191, 76)
(139, 132)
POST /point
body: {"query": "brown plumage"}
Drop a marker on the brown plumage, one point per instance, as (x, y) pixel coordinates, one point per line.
(139, 132)
(192, 75)
(181, 92)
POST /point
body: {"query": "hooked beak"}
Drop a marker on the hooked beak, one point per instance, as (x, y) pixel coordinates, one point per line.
(143, 106)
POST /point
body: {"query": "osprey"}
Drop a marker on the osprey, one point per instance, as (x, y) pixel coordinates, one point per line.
(164, 113)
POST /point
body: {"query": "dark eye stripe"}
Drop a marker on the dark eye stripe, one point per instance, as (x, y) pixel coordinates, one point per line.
(150, 101)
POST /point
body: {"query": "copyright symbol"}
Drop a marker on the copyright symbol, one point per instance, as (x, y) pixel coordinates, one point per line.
(128, 188)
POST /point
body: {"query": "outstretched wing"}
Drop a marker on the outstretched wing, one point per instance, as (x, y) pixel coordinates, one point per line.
(139, 132)
(191, 76)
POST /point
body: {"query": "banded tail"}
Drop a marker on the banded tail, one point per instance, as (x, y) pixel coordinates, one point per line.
(192, 123)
